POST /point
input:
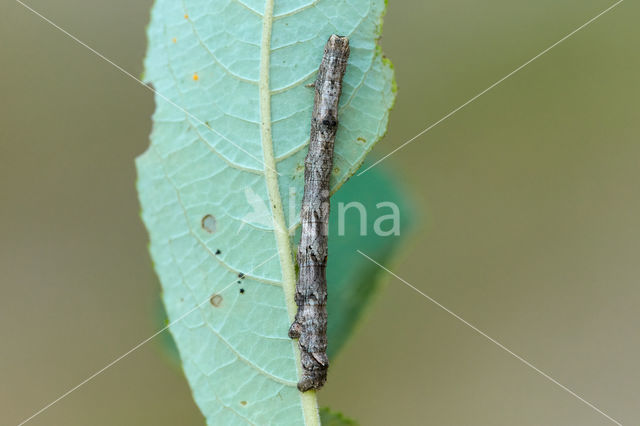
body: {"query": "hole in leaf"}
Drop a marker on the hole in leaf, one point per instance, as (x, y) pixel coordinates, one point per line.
(216, 300)
(209, 224)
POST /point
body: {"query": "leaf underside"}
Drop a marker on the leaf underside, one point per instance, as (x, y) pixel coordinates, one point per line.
(202, 182)
(353, 281)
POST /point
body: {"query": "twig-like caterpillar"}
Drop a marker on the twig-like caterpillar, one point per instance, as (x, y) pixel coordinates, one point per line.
(310, 325)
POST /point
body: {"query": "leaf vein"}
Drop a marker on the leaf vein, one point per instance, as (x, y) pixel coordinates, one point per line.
(199, 241)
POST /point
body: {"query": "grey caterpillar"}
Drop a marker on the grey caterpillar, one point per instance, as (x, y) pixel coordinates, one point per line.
(310, 324)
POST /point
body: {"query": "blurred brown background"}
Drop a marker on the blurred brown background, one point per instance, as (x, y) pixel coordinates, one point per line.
(529, 196)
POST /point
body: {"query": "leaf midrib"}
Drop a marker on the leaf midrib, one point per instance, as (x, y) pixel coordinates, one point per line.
(308, 399)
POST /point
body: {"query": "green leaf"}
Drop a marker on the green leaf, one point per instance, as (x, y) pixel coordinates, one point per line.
(231, 110)
(331, 418)
(352, 280)
(166, 343)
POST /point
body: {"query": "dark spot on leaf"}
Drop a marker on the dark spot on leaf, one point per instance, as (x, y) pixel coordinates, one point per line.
(239, 282)
(241, 276)
(216, 300)
(218, 251)
(209, 223)
(242, 291)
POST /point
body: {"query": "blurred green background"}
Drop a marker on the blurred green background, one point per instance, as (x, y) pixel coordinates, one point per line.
(530, 225)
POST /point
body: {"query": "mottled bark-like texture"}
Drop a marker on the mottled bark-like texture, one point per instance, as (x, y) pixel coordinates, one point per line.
(310, 325)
